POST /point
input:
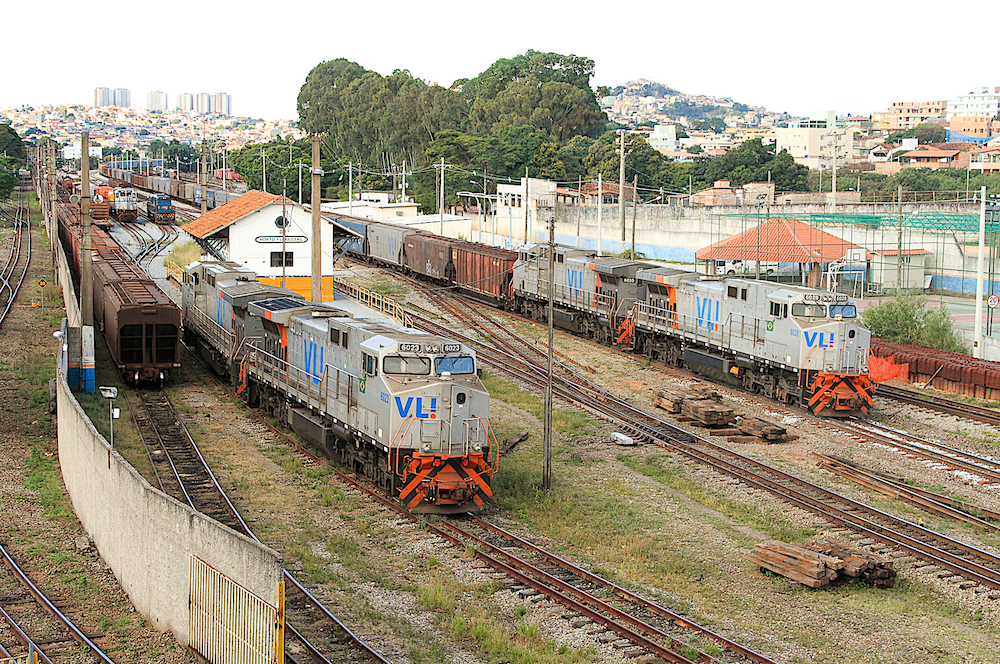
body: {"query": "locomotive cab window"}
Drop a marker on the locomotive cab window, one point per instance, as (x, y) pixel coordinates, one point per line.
(369, 364)
(778, 310)
(843, 310)
(411, 366)
(335, 336)
(732, 292)
(454, 365)
(809, 310)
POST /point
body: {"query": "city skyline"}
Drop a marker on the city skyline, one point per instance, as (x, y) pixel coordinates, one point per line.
(772, 56)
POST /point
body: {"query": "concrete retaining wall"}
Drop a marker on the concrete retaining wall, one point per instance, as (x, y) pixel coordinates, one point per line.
(147, 537)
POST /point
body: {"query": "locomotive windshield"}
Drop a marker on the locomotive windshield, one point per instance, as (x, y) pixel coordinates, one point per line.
(411, 366)
(809, 310)
(454, 365)
(844, 310)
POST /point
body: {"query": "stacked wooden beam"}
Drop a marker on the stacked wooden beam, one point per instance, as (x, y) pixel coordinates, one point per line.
(707, 412)
(755, 429)
(819, 564)
(699, 403)
(669, 401)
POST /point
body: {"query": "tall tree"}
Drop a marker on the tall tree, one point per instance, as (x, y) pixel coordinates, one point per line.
(11, 144)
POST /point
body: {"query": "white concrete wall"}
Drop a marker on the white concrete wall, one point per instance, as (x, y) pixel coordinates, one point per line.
(147, 537)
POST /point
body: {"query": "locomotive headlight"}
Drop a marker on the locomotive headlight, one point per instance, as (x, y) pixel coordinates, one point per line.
(426, 447)
(478, 447)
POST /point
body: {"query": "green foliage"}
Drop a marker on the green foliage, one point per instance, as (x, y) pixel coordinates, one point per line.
(174, 154)
(907, 320)
(928, 132)
(7, 178)
(752, 161)
(11, 144)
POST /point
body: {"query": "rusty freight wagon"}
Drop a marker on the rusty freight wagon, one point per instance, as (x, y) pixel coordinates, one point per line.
(430, 255)
(484, 270)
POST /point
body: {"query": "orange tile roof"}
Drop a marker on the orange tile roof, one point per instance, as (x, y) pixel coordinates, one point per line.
(215, 220)
(783, 240)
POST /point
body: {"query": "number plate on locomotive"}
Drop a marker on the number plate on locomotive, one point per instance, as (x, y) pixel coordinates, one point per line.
(409, 348)
(452, 348)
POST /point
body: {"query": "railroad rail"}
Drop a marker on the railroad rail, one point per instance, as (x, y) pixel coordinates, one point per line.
(987, 469)
(14, 271)
(938, 404)
(37, 625)
(184, 474)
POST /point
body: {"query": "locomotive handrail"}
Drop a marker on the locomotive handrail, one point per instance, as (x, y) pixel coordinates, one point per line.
(397, 441)
(491, 441)
(381, 303)
(216, 334)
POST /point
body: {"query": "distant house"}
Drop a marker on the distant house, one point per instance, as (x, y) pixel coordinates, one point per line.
(936, 158)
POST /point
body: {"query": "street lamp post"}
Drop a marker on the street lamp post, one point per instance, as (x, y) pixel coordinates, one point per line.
(111, 393)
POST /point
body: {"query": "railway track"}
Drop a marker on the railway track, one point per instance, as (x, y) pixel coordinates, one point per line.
(182, 472)
(39, 624)
(938, 404)
(15, 269)
(150, 246)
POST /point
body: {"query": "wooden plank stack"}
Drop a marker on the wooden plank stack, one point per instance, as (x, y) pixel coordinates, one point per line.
(755, 429)
(707, 412)
(818, 564)
(699, 403)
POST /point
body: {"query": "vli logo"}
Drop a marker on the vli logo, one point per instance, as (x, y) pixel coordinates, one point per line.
(404, 410)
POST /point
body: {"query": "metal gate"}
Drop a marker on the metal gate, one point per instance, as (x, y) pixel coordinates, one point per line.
(227, 624)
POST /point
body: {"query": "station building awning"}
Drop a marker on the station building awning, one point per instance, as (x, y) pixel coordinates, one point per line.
(781, 240)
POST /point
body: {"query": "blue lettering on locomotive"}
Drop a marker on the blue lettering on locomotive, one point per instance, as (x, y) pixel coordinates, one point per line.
(575, 278)
(811, 339)
(313, 368)
(404, 411)
(705, 313)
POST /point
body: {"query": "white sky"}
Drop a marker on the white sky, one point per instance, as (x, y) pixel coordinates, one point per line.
(777, 55)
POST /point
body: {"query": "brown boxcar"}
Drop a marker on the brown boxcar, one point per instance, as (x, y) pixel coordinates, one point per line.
(430, 255)
(484, 270)
(140, 323)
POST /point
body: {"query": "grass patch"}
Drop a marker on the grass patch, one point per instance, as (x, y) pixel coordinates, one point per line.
(44, 477)
(571, 422)
(676, 477)
(183, 255)
(524, 644)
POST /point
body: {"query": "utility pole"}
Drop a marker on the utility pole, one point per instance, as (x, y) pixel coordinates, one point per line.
(300, 179)
(204, 186)
(53, 204)
(525, 202)
(600, 209)
(547, 444)
(86, 257)
(441, 201)
(403, 199)
(579, 209)
(621, 185)
(833, 193)
(350, 188)
(317, 229)
(977, 343)
(899, 242)
(635, 207)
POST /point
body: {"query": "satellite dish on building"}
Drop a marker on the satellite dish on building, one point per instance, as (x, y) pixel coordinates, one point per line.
(98, 199)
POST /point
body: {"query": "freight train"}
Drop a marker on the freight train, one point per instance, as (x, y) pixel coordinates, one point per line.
(139, 322)
(405, 408)
(788, 342)
(177, 189)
